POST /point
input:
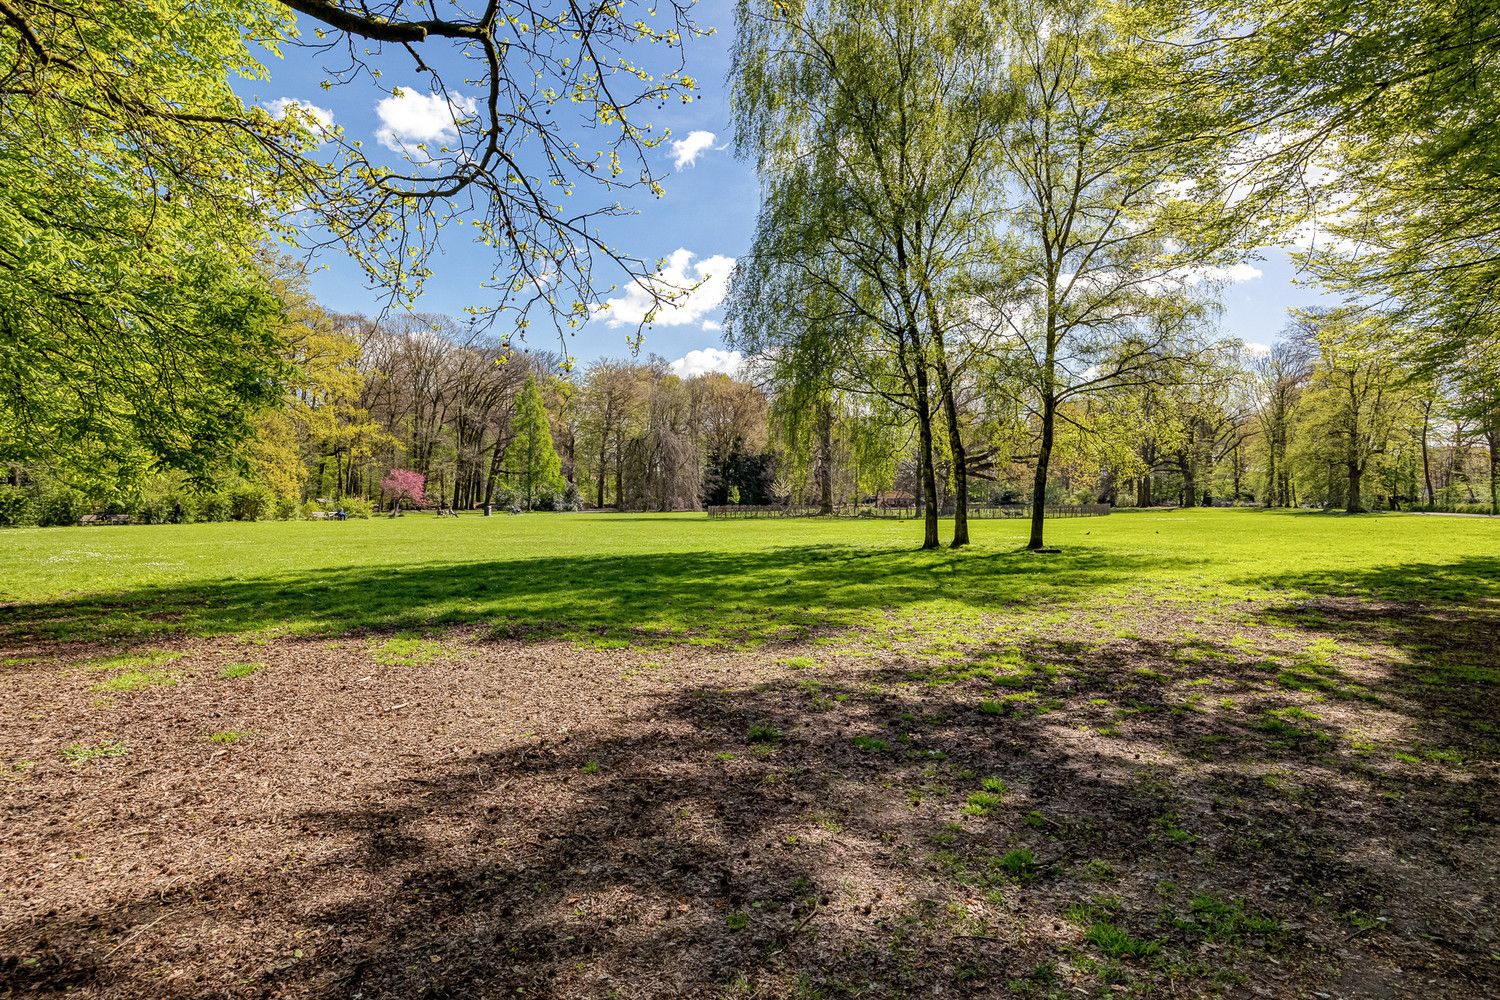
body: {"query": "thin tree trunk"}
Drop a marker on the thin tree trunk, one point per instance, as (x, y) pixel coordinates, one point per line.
(929, 481)
(960, 458)
(1039, 485)
(1426, 462)
(825, 457)
(1492, 437)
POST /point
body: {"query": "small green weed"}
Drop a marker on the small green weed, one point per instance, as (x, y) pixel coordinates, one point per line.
(1217, 920)
(1018, 863)
(764, 732)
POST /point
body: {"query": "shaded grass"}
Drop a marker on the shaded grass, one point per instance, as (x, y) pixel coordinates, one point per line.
(611, 578)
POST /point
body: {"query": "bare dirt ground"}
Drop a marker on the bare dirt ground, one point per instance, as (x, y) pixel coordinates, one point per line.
(1294, 801)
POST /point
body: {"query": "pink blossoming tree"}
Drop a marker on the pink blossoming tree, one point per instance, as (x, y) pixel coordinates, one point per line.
(404, 484)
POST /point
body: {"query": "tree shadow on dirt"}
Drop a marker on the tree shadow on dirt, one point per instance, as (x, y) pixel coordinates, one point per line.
(1444, 618)
(1025, 822)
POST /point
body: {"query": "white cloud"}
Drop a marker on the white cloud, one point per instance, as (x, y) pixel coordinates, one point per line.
(712, 326)
(1233, 274)
(710, 359)
(692, 291)
(1255, 350)
(321, 117)
(407, 117)
(685, 151)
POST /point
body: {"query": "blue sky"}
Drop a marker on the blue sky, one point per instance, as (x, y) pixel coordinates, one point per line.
(705, 218)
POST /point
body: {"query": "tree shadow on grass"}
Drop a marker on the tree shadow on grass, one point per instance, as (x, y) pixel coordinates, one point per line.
(734, 595)
(882, 831)
(1444, 618)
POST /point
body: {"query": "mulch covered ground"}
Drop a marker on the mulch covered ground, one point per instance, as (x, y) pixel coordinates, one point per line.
(1281, 802)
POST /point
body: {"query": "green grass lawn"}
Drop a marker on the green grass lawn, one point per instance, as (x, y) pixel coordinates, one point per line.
(676, 576)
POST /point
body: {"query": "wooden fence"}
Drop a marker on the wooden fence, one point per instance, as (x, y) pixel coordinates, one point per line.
(976, 513)
(746, 511)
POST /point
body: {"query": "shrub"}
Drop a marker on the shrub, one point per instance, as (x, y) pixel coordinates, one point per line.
(287, 509)
(59, 505)
(17, 506)
(211, 507)
(250, 502)
(151, 509)
(550, 499)
(356, 507)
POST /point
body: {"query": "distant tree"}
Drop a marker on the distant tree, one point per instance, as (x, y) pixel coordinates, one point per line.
(405, 486)
(532, 460)
(1357, 397)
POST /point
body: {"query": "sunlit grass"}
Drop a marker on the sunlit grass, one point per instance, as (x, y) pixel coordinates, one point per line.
(614, 579)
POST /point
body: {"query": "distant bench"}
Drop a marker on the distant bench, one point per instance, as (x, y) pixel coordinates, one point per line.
(105, 519)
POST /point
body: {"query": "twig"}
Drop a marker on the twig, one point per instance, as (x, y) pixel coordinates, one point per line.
(135, 934)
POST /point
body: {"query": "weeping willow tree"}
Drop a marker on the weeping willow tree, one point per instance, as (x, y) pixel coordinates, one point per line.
(873, 127)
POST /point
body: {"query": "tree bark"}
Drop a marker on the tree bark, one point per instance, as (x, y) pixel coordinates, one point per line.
(825, 458)
(929, 480)
(1426, 462)
(1354, 504)
(1039, 484)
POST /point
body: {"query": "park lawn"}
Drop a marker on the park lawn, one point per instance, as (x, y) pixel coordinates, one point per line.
(674, 576)
(1195, 753)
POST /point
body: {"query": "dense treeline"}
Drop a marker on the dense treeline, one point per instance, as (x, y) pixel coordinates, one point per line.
(1324, 418)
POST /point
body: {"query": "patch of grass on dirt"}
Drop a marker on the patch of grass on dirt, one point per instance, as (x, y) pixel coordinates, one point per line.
(133, 661)
(988, 799)
(227, 736)
(407, 650)
(1116, 942)
(1224, 921)
(78, 754)
(763, 732)
(136, 680)
(234, 671)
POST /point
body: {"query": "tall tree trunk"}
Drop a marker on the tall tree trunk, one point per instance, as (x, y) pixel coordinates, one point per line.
(955, 432)
(1492, 438)
(619, 470)
(496, 458)
(825, 457)
(1039, 484)
(1426, 462)
(603, 452)
(1353, 504)
(960, 459)
(929, 480)
(1271, 474)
